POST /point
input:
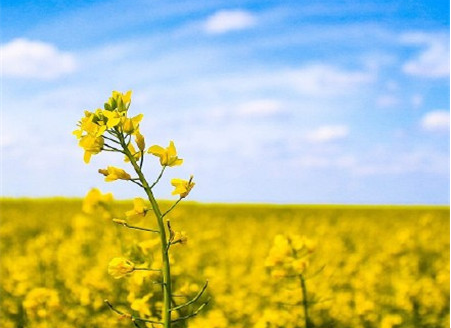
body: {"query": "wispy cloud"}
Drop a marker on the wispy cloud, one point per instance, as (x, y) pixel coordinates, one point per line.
(326, 80)
(229, 20)
(387, 100)
(22, 58)
(328, 133)
(260, 108)
(436, 121)
(433, 60)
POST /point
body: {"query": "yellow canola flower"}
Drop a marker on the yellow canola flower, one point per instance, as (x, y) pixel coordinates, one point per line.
(141, 305)
(136, 154)
(113, 118)
(92, 141)
(182, 187)
(91, 145)
(119, 267)
(40, 301)
(91, 125)
(119, 101)
(139, 139)
(180, 237)
(113, 173)
(129, 125)
(95, 199)
(168, 156)
(139, 211)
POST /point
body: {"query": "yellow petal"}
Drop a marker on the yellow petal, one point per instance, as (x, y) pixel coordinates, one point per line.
(171, 149)
(87, 157)
(156, 150)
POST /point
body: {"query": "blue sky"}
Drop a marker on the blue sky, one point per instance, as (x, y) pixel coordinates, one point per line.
(274, 101)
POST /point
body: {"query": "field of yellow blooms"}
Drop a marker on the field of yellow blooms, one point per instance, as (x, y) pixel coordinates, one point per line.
(361, 266)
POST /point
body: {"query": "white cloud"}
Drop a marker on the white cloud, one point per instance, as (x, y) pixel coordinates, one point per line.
(328, 133)
(326, 162)
(433, 61)
(417, 101)
(402, 162)
(229, 20)
(321, 80)
(24, 58)
(387, 101)
(436, 121)
(260, 108)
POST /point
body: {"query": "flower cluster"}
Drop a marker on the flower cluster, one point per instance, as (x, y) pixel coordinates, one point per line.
(289, 256)
(112, 129)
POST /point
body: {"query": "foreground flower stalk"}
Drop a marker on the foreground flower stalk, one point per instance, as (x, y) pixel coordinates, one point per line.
(112, 130)
(167, 288)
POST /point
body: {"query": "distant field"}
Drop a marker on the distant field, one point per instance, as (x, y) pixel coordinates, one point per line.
(371, 266)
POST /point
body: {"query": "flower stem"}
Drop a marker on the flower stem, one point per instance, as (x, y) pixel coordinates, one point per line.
(308, 323)
(167, 289)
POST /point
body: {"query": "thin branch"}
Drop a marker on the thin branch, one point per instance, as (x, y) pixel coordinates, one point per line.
(141, 162)
(146, 269)
(112, 132)
(192, 314)
(129, 316)
(158, 178)
(193, 300)
(111, 139)
(172, 207)
(315, 273)
(136, 182)
(113, 148)
(125, 224)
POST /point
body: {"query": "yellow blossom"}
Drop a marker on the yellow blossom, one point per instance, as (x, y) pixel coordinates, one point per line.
(141, 305)
(113, 118)
(40, 301)
(139, 211)
(129, 125)
(94, 200)
(119, 267)
(299, 265)
(91, 145)
(168, 156)
(136, 154)
(113, 173)
(139, 139)
(119, 101)
(182, 187)
(180, 237)
(91, 125)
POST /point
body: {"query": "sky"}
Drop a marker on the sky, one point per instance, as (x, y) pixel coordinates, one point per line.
(342, 102)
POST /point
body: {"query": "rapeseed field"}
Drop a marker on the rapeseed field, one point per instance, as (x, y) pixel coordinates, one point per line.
(363, 267)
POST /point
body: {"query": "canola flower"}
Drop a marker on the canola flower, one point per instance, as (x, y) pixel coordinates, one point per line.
(112, 129)
(182, 187)
(119, 267)
(289, 258)
(112, 173)
(168, 156)
(139, 211)
(371, 266)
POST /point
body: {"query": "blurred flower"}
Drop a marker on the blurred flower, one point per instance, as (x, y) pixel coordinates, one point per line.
(139, 211)
(119, 267)
(40, 302)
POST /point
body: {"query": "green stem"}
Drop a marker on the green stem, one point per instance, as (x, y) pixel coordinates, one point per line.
(171, 208)
(167, 288)
(308, 323)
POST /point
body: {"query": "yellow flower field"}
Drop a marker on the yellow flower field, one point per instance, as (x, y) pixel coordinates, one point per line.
(363, 266)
